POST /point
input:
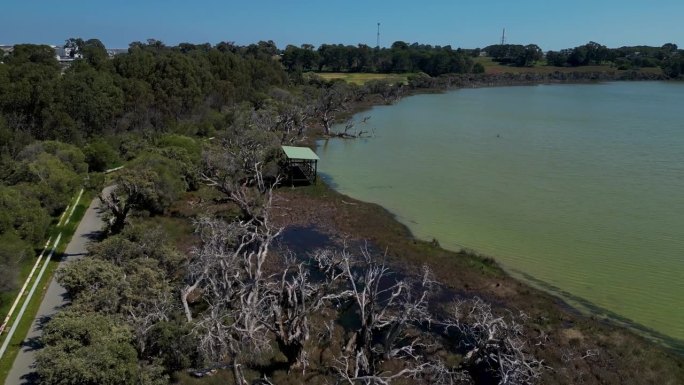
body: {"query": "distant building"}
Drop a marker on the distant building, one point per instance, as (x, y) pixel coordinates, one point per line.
(116, 51)
(66, 54)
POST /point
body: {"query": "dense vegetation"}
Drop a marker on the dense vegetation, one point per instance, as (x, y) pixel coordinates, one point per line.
(58, 123)
(668, 57)
(401, 57)
(189, 116)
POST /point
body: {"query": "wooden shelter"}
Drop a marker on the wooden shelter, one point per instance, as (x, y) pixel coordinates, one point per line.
(302, 164)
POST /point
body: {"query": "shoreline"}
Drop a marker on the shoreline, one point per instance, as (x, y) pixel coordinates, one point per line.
(454, 82)
(567, 330)
(577, 305)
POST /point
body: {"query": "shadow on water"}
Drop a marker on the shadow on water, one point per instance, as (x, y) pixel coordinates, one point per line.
(329, 181)
(301, 240)
(598, 311)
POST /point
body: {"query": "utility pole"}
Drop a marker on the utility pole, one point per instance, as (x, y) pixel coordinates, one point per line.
(503, 37)
(377, 44)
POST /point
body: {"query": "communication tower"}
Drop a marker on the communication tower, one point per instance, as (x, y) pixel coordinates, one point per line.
(377, 44)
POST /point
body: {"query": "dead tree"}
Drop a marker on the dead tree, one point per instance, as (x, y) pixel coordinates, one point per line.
(346, 133)
(292, 300)
(284, 114)
(228, 270)
(495, 345)
(145, 315)
(295, 297)
(330, 102)
(218, 253)
(233, 285)
(387, 310)
(236, 168)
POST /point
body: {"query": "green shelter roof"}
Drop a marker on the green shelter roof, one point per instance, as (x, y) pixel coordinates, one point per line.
(299, 153)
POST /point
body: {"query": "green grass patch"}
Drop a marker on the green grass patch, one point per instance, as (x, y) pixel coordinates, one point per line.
(25, 324)
(362, 78)
(318, 189)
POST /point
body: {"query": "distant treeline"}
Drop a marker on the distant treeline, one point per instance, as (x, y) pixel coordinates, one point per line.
(668, 57)
(401, 57)
(404, 57)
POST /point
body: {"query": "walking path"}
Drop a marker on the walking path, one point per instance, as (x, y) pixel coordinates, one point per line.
(22, 372)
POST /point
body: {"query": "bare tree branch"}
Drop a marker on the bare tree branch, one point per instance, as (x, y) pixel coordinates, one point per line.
(495, 344)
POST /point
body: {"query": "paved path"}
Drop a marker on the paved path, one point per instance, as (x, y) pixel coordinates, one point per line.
(55, 298)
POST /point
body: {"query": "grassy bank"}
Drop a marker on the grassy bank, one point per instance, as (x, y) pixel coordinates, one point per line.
(24, 326)
(361, 78)
(492, 68)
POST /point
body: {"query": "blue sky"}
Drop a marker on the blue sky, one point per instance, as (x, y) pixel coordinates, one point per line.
(551, 24)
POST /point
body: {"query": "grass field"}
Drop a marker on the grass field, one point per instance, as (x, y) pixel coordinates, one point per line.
(23, 328)
(492, 67)
(362, 78)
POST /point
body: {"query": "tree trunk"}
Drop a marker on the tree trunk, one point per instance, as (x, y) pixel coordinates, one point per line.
(119, 222)
(291, 350)
(238, 376)
(184, 299)
(326, 124)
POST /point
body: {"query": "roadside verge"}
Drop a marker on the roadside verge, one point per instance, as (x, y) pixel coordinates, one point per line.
(19, 322)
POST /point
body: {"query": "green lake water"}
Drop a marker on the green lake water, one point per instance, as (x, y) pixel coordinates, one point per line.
(576, 188)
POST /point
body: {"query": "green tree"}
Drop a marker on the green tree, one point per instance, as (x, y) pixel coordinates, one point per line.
(96, 285)
(23, 224)
(32, 53)
(530, 54)
(95, 53)
(48, 180)
(100, 155)
(91, 348)
(557, 58)
(674, 67)
(22, 215)
(32, 76)
(292, 58)
(139, 243)
(12, 250)
(91, 98)
(174, 344)
(50, 172)
(151, 183)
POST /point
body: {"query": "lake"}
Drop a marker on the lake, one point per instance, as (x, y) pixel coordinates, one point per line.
(578, 189)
